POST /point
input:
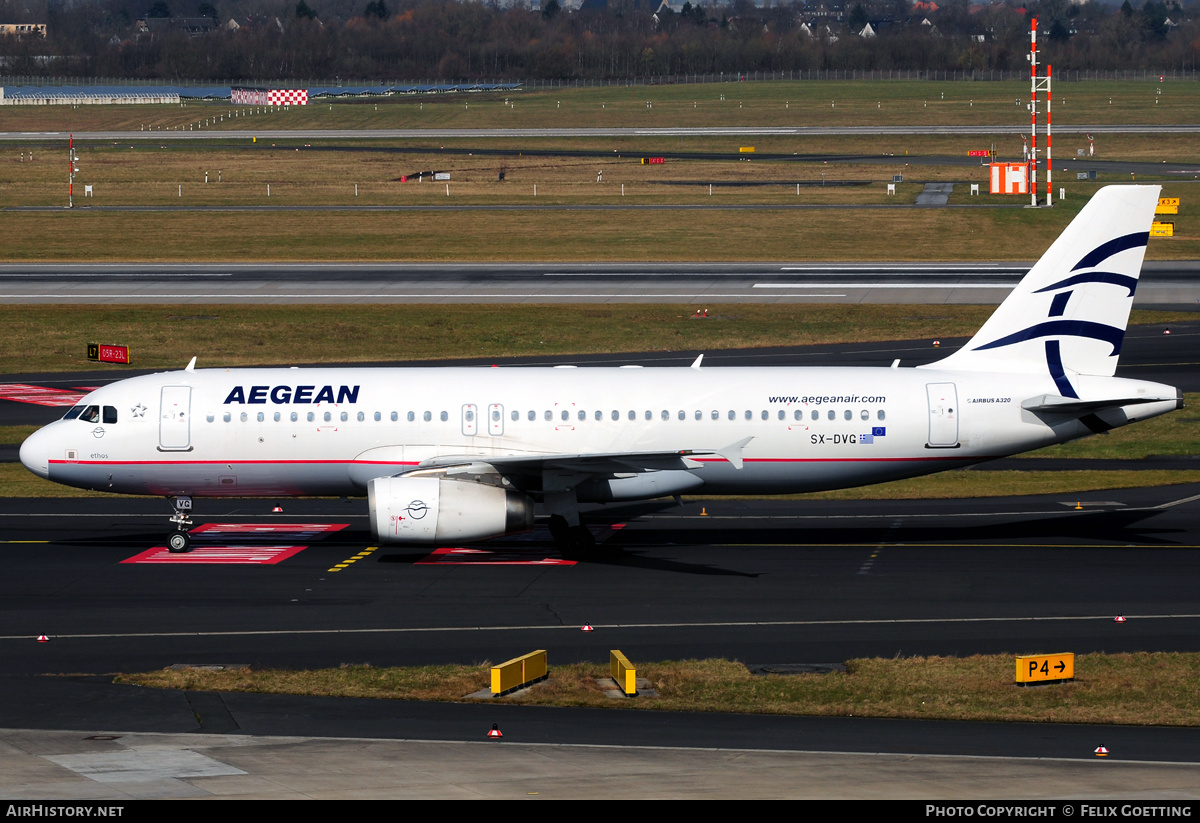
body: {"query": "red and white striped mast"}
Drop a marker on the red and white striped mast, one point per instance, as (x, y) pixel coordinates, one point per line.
(1036, 84)
(1033, 111)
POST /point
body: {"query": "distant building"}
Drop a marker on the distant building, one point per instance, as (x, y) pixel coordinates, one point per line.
(23, 28)
(193, 26)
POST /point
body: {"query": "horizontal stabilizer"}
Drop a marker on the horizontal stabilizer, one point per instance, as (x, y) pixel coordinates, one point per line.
(1053, 403)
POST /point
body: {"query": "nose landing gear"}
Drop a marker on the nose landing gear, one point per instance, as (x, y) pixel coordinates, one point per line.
(179, 540)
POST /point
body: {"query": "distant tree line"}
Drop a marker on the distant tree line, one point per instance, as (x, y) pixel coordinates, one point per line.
(448, 39)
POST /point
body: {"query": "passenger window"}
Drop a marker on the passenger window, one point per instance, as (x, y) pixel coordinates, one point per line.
(379, 416)
(444, 416)
(566, 415)
(210, 417)
(516, 415)
(682, 414)
(665, 415)
(632, 414)
(532, 415)
(277, 416)
(549, 415)
(599, 415)
(832, 415)
(469, 415)
(244, 417)
(849, 415)
(261, 417)
(110, 414)
(294, 417)
(716, 415)
(782, 414)
(345, 416)
(616, 415)
(582, 415)
(732, 414)
(328, 417)
(880, 414)
(765, 414)
(799, 415)
(816, 415)
(749, 414)
(312, 416)
(649, 415)
(226, 417)
(427, 416)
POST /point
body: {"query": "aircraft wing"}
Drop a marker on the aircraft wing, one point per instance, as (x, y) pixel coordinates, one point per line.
(597, 463)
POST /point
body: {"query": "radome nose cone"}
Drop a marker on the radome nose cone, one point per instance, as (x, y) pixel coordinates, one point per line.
(34, 456)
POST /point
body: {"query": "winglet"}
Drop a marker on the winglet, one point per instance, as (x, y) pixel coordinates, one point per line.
(191, 366)
(733, 452)
(696, 365)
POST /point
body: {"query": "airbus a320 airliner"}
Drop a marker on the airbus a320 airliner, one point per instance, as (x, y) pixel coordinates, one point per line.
(459, 454)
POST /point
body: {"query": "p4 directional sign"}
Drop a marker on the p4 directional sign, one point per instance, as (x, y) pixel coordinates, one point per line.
(1045, 668)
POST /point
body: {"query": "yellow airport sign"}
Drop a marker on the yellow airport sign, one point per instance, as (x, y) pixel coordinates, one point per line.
(1158, 229)
(1045, 668)
(745, 149)
(1167, 205)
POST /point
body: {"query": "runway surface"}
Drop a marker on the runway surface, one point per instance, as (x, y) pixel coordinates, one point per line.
(1174, 283)
(764, 582)
(536, 133)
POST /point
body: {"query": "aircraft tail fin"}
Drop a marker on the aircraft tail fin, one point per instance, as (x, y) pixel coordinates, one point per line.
(1068, 315)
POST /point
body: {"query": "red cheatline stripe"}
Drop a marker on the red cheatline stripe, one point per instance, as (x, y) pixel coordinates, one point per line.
(414, 462)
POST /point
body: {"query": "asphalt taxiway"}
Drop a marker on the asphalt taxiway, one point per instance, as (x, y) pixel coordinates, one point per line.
(1162, 283)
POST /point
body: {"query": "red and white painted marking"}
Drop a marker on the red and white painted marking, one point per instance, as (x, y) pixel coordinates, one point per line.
(261, 555)
(488, 557)
(240, 543)
(243, 531)
(519, 550)
(41, 395)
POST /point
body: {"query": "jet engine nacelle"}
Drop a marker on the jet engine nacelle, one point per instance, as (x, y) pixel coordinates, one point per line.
(428, 509)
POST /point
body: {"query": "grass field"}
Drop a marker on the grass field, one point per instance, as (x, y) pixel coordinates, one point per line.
(753, 193)
(1121, 689)
(775, 103)
(54, 338)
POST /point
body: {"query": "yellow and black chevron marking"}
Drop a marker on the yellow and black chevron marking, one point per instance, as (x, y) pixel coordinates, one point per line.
(347, 562)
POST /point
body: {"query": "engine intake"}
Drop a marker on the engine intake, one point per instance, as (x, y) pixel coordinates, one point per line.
(429, 509)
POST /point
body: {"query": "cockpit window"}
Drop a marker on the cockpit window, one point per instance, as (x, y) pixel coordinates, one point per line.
(90, 415)
(72, 412)
(110, 414)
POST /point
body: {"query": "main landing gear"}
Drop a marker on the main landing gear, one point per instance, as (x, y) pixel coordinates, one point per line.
(576, 541)
(179, 540)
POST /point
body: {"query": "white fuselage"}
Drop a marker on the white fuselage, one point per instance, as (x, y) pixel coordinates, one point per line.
(330, 431)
